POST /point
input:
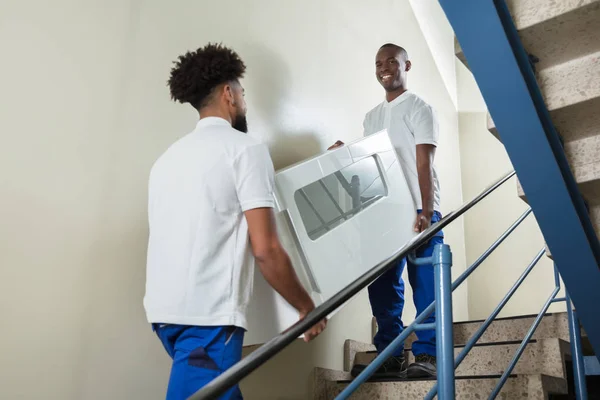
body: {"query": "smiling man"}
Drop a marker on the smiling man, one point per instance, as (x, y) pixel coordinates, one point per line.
(413, 130)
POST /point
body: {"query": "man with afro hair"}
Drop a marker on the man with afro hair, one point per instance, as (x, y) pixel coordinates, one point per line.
(210, 212)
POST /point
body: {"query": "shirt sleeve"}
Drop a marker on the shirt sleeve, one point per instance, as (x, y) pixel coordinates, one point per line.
(254, 177)
(425, 126)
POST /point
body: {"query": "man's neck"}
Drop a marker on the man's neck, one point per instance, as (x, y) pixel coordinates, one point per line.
(207, 112)
(393, 95)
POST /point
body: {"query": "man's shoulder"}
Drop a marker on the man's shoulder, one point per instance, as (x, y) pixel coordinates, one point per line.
(416, 102)
(232, 139)
(375, 110)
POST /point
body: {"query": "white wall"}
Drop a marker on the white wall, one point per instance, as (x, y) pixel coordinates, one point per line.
(440, 37)
(484, 160)
(84, 113)
(469, 96)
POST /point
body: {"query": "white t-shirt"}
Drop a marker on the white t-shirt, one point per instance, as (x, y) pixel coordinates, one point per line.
(200, 266)
(409, 122)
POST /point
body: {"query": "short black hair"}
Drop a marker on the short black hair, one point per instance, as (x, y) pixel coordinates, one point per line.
(197, 73)
(403, 52)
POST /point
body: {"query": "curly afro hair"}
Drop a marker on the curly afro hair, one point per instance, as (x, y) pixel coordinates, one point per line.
(197, 73)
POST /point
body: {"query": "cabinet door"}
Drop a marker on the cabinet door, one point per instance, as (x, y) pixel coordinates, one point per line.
(341, 213)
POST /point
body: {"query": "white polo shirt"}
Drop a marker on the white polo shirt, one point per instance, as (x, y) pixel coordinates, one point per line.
(409, 122)
(200, 266)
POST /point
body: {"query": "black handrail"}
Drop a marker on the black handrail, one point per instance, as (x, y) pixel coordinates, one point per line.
(236, 373)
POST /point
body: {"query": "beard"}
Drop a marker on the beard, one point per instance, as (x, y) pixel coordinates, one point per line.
(240, 123)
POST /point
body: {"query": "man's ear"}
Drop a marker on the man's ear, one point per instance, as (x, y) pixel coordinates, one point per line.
(408, 65)
(228, 93)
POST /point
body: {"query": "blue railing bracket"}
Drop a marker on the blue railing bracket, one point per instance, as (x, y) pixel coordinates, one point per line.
(559, 300)
(412, 257)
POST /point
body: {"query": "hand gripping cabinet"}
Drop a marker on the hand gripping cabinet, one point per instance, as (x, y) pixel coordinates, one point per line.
(338, 214)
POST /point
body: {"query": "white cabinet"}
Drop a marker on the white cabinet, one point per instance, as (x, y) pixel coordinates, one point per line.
(338, 215)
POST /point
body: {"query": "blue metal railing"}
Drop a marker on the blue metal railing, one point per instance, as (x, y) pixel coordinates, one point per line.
(445, 386)
(399, 341)
(442, 262)
(233, 375)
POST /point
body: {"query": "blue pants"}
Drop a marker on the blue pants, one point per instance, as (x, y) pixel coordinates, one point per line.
(200, 354)
(387, 299)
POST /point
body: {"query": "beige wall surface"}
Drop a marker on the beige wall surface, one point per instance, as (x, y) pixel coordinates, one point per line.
(484, 160)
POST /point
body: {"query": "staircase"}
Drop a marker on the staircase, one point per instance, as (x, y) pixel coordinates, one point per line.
(541, 373)
(563, 37)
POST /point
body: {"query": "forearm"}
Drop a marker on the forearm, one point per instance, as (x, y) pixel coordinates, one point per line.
(425, 173)
(277, 269)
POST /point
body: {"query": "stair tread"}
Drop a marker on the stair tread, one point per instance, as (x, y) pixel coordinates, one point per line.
(534, 12)
(545, 356)
(550, 37)
(554, 325)
(566, 37)
(410, 380)
(487, 344)
(535, 385)
(511, 318)
(563, 35)
(570, 86)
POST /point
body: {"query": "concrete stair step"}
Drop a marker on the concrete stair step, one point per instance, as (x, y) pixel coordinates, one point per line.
(555, 37)
(327, 384)
(547, 29)
(574, 123)
(565, 37)
(553, 326)
(527, 13)
(570, 91)
(546, 357)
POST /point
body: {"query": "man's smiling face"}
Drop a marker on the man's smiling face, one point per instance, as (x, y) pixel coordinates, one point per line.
(391, 68)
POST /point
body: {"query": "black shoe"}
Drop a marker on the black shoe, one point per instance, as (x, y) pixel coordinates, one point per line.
(423, 367)
(394, 367)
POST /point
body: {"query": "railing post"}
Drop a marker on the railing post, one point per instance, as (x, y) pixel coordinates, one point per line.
(442, 263)
(576, 354)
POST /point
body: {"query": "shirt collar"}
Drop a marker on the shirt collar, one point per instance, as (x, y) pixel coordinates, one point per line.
(211, 121)
(397, 100)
